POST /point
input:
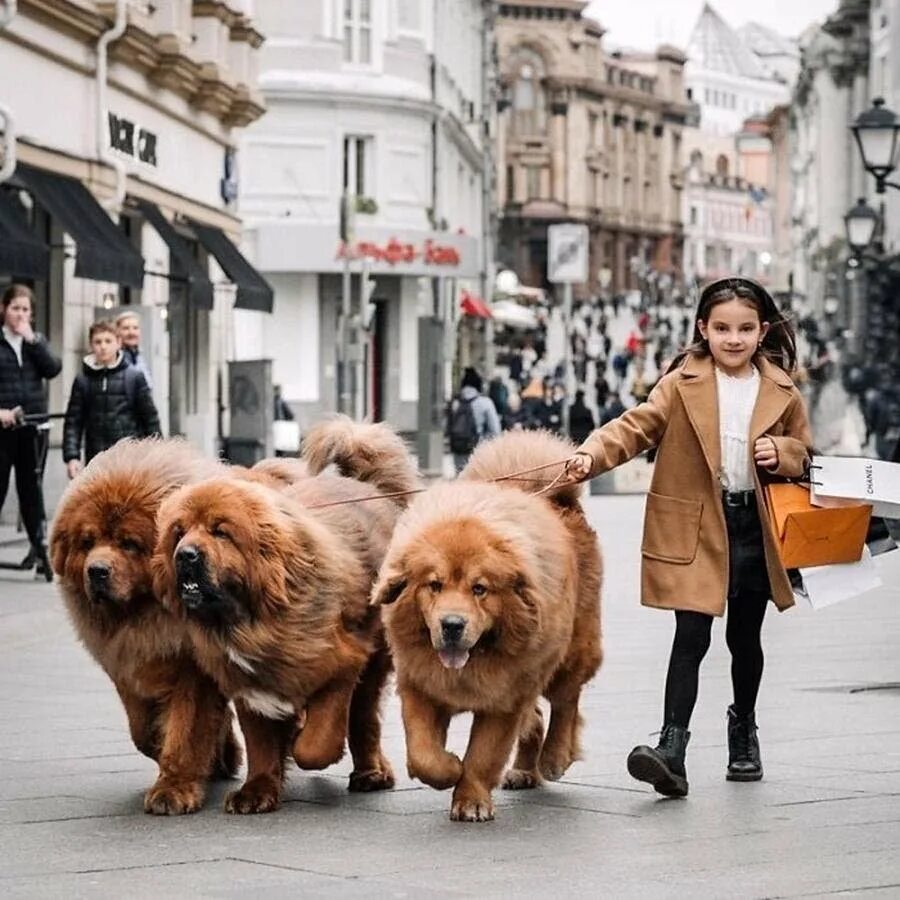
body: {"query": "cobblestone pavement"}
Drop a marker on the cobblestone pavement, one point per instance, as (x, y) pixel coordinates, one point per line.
(825, 820)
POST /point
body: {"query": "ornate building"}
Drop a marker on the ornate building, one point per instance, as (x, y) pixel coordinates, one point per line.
(120, 125)
(587, 136)
(831, 91)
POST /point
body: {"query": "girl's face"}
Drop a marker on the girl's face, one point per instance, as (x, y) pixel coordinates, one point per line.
(734, 333)
(17, 313)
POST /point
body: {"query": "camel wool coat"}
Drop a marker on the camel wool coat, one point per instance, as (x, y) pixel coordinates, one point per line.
(685, 545)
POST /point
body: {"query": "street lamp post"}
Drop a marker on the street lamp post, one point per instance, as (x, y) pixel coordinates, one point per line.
(876, 131)
(860, 224)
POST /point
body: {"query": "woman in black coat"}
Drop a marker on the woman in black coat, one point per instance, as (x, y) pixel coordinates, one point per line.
(25, 362)
(581, 419)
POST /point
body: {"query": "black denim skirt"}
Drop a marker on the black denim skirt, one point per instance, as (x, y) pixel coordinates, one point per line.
(747, 571)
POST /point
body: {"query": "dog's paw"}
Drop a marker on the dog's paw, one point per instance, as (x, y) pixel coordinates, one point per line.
(380, 778)
(479, 809)
(521, 780)
(553, 766)
(260, 795)
(440, 772)
(167, 799)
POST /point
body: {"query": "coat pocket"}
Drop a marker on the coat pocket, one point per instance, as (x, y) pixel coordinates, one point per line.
(671, 528)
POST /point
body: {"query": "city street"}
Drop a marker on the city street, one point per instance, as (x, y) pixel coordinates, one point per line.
(825, 820)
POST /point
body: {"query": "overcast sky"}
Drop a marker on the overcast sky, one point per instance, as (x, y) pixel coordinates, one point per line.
(645, 23)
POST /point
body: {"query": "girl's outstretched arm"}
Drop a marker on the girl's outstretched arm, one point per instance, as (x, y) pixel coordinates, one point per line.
(636, 430)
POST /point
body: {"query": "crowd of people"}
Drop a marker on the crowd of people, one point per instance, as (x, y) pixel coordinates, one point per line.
(619, 349)
(110, 399)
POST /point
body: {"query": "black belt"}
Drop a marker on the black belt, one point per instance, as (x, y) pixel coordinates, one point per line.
(739, 498)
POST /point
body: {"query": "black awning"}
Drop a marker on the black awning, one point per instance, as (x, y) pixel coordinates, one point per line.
(199, 286)
(22, 253)
(104, 253)
(253, 291)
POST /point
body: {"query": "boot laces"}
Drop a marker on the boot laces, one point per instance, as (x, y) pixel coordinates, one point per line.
(741, 733)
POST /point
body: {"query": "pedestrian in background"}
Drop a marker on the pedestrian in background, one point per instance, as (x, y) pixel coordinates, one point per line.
(110, 400)
(581, 419)
(128, 328)
(726, 408)
(25, 363)
(473, 418)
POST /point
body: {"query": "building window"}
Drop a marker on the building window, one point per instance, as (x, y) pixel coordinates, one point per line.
(533, 182)
(722, 165)
(693, 215)
(528, 99)
(357, 163)
(592, 130)
(358, 31)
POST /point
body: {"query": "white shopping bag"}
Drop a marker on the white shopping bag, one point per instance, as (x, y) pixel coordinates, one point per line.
(826, 585)
(855, 478)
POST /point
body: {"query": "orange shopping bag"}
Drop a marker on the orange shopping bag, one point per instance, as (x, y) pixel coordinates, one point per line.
(808, 535)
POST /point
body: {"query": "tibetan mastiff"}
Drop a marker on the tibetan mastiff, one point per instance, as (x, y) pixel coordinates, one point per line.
(274, 588)
(491, 598)
(101, 545)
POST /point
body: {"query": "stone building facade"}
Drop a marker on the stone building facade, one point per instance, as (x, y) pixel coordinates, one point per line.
(590, 137)
(124, 183)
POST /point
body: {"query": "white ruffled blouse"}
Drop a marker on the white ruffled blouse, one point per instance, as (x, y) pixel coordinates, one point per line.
(737, 397)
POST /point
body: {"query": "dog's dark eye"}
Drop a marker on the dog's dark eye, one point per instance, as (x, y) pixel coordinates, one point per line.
(436, 586)
(177, 533)
(218, 531)
(130, 546)
(86, 542)
(479, 590)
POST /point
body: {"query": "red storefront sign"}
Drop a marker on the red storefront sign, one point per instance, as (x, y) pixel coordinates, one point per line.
(394, 252)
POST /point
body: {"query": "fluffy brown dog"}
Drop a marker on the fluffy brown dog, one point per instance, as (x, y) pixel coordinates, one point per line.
(491, 598)
(101, 545)
(275, 594)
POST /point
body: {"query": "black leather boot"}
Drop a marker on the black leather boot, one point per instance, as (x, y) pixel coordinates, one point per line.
(663, 765)
(744, 763)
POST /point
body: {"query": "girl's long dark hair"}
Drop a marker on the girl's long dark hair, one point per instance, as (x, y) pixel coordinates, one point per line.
(779, 345)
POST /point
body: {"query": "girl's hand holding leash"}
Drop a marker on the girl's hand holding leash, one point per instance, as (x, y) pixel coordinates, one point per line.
(578, 467)
(765, 453)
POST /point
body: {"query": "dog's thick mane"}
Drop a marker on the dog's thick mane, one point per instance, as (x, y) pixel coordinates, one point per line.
(514, 451)
(528, 525)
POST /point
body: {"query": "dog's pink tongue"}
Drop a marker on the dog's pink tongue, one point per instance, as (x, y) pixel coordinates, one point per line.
(453, 658)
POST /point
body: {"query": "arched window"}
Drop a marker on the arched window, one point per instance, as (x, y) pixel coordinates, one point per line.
(722, 165)
(697, 160)
(529, 104)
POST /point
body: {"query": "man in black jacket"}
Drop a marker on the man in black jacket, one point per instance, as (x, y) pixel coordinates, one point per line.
(110, 400)
(25, 361)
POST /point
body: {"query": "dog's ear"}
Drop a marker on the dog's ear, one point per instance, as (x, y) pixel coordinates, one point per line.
(390, 585)
(59, 548)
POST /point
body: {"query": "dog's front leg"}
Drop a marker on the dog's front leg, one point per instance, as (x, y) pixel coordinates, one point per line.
(426, 725)
(191, 724)
(143, 722)
(267, 742)
(490, 744)
(321, 742)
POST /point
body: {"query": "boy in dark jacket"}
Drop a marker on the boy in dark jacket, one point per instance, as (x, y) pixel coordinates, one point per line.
(110, 400)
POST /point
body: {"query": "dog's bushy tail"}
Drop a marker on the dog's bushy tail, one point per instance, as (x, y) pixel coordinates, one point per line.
(514, 451)
(372, 453)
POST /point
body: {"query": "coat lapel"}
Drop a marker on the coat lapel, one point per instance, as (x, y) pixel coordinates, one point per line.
(775, 392)
(701, 402)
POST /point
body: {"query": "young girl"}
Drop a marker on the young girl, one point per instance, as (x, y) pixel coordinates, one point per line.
(725, 412)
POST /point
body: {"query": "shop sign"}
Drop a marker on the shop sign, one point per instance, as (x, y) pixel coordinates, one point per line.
(131, 140)
(394, 252)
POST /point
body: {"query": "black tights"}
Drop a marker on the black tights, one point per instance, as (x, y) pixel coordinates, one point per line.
(692, 632)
